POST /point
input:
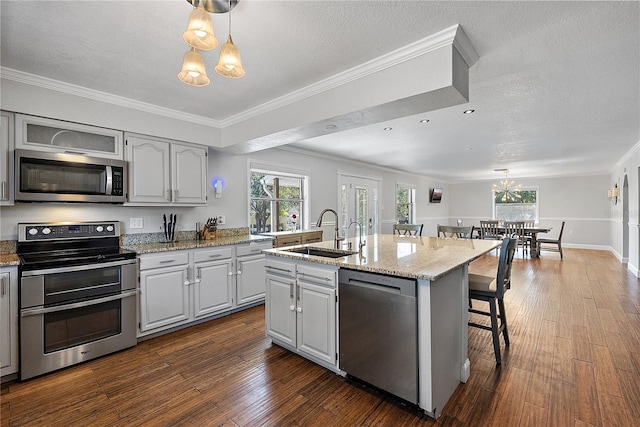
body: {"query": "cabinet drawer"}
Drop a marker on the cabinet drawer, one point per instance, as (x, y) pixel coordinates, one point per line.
(288, 241)
(312, 237)
(280, 268)
(166, 259)
(212, 254)
(323, 276)
(252, 249)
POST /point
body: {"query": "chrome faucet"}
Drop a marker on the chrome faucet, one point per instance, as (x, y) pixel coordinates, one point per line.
(337, 238)
(362, 243)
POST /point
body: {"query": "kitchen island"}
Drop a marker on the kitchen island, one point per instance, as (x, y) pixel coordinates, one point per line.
(439, 268)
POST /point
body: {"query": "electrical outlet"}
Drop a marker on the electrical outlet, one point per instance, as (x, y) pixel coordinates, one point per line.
(136, 223)
(221, 219)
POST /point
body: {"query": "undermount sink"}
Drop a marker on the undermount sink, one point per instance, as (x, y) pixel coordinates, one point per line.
(327, 253)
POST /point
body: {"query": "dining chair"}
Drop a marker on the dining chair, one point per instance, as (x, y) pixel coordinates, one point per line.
(407, 229)
(516, 229)
(491, 289)
(490, 230)
(454, 232)
(557, 242)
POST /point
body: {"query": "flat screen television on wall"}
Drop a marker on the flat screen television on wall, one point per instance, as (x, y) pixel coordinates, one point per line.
(436, 195)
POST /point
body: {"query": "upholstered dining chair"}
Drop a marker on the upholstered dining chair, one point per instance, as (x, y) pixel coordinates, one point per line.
(491, 289)
(516, 228)
(450, 231)
(407, 229)
(554, 242)
(490, 230)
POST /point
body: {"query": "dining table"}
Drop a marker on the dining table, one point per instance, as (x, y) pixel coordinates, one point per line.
(528, 231)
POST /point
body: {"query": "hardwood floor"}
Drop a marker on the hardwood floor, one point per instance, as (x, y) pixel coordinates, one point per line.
(574, 360)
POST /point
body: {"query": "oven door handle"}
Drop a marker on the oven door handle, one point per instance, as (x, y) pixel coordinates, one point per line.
(91, 266)
(35, 311)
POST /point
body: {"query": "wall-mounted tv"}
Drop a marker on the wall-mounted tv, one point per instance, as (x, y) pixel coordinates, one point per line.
(436, 195)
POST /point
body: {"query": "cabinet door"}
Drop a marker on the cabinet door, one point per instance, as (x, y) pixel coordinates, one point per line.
(189, 165)
(149, 172)
(250, 284)
(164, 297)
(280, 309)
(8, 322)
(6, 158)
(316, 312)
(39, 133)
(213, 287)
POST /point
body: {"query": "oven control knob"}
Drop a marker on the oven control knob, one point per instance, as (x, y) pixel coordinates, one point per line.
(33, 231)
(109, 228)
(46, 230)
(99, 229)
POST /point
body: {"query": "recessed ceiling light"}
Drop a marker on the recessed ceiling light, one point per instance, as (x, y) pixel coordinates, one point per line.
(468, 148)
(469, 111)
(424, 121)
(387, 129)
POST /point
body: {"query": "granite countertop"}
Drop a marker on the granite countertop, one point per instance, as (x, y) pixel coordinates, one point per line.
(9, 260)
(145, 248)
(427, 258)
(288, 233)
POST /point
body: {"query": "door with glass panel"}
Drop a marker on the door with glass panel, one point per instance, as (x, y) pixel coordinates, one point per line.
(359, 203)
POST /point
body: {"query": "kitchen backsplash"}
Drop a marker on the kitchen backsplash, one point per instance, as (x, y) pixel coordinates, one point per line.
(142, 238)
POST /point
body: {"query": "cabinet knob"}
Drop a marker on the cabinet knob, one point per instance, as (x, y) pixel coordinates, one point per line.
(292, 307)
(187, 283)
(299, 310)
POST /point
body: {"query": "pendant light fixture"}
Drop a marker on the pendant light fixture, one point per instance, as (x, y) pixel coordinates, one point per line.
(199, 33)
(229, 64)
(193, 70)
(507, 191)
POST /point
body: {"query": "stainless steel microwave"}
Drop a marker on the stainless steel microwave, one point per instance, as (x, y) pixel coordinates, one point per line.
(56, 177)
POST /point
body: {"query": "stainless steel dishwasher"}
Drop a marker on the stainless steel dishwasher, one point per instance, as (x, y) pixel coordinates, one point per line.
(379, 331)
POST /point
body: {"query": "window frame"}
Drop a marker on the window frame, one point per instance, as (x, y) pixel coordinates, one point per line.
(411, 204)
(527, 188)
(274, 222)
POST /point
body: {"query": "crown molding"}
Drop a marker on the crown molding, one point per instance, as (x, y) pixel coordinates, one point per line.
(71, 89)
(453, 35)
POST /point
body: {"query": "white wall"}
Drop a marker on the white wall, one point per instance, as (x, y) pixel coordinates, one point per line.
(234, 201)
(627, 166)
(580, 201)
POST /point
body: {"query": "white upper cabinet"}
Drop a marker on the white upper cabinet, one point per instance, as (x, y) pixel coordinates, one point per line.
(164, 172)
(6, 158)
(189, 174)
(38, 133)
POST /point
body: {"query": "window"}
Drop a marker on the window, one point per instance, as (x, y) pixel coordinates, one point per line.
(523, 209)
(405, 204)
(276, 201)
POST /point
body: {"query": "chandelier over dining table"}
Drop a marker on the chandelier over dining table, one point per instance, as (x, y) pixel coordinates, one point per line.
(507, 191)
(200, 36)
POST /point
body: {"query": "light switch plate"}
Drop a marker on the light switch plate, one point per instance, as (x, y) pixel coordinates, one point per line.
(136, 223)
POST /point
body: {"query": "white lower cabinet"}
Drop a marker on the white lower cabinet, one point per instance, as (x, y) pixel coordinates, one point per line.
(301, 308)
(213, 287)
(8, 320)
(180, 287)
(164, 290)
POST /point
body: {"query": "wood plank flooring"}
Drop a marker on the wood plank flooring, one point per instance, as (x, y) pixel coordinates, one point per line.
(574, 360)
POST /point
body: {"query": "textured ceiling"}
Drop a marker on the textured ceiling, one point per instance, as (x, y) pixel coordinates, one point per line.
(556, 89)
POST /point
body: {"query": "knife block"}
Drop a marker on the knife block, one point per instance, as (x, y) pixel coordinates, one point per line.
(209, 233)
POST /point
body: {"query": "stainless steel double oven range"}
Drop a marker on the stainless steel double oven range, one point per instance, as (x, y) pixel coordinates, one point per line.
(77, 294)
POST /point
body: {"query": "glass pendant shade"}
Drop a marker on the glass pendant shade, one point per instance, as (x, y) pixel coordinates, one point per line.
(230, 64)
(193, 71)
(199, 32)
